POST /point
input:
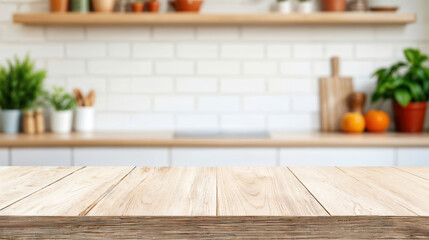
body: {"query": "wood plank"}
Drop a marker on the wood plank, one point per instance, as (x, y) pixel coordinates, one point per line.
(410, 191)
(71, 196)
(166, 139)
(162, 192)
(255, 227)
(19, 182)
(264, 192)
(342, 195)
(422, 172)
(192, 18)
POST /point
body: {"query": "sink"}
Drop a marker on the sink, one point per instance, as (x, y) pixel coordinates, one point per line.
(222, 134)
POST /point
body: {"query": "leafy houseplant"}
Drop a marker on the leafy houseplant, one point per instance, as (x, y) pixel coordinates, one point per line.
(20, 86)
(63, 104)
(407, 84)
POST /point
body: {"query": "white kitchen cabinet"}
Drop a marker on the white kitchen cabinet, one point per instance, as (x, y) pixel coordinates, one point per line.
(337, 157)
(413, 157)
(4, 157)
(151, 157)
(209, 157)
(41, 157)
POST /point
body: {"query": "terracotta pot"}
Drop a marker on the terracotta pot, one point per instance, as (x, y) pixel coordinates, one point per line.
(153, 6)
(334, 5)
(103, 5)
(187, 5)
(137, 7)
(410, 119)
(59, 5)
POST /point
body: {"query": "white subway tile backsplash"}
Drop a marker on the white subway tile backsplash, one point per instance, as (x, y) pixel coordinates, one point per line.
(290, 85)
(152, 85)
(196, 85)
(176, 67)
(260, 68)
(153, 122)
(112, 67)
(174, 104)
(87, 83)
(119, 50)
(86, 50)
(243, 122)
(295, 68)
(218, 103)
(173, 32)
(242, 85)
(217, 33)
(65, 33)
(7, 11)
(242, 51)
(196, 122)
(218, 67)
(266, 103)
(120, 85)
(234, 157)
(153, 50)
(291, 122)
(117, 33)
(19, 33)
(66, 67)
(374, 51)
(112, 121)
(197, 50)
(305, 104)
(357, 68)
(279, 51)
(308, 51)
(52, 50)
(343, 51)
(130, 103)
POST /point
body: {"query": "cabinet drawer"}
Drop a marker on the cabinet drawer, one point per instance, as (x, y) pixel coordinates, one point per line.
(151, 157)
(413, 157)
(41, 157)
(4, 157)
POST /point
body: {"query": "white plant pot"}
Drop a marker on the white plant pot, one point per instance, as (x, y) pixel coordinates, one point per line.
(61, 121)
(10, 121)
(84, 119)
(284, 7)
(305, 7)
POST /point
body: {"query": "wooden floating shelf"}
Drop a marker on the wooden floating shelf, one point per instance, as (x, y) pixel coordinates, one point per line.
(212, 19)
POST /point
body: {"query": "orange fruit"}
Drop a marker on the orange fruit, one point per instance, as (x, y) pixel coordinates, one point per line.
(377, 121)
(353, 123)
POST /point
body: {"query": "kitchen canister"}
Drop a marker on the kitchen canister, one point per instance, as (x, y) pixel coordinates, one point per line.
(84, 119)
(61, 121)
(80, 6)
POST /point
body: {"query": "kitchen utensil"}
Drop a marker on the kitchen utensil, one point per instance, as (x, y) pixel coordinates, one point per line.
(186, 5)
(334, 94)
(384, 9)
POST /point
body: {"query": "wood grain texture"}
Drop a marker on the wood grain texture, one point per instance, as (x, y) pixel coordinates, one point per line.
(166, 139)
(264, 191)
(341, 194)
(19, 182)
(422, 172)
(192, 18)
(162, 192)
(410, 191)
(346, 227)
(74, 195)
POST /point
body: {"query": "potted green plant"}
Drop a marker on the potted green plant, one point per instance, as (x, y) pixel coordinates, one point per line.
(63, 105)
(407, 84)
(20, 86)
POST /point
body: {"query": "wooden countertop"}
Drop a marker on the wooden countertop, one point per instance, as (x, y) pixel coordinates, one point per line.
(167, 139)
(217, 203)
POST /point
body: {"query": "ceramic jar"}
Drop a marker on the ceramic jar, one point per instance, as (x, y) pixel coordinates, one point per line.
(153, 6)
(80, 6)
(84, 119)
(104, 6)
(10, 121)
(59, 5)
(334, 5)
(61, 121)
(305, 6)
(186, 5)
(284, 6)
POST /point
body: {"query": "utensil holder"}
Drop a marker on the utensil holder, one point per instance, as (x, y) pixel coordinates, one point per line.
(80, 6)
(61, 121)
(84, 119)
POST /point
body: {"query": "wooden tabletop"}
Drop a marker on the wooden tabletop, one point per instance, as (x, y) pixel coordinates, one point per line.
(367, 198)
(167, 139)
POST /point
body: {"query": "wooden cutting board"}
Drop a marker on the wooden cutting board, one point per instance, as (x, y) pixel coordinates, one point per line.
(334, 92)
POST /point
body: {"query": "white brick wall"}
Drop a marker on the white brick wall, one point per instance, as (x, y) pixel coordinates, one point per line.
(208, 77)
